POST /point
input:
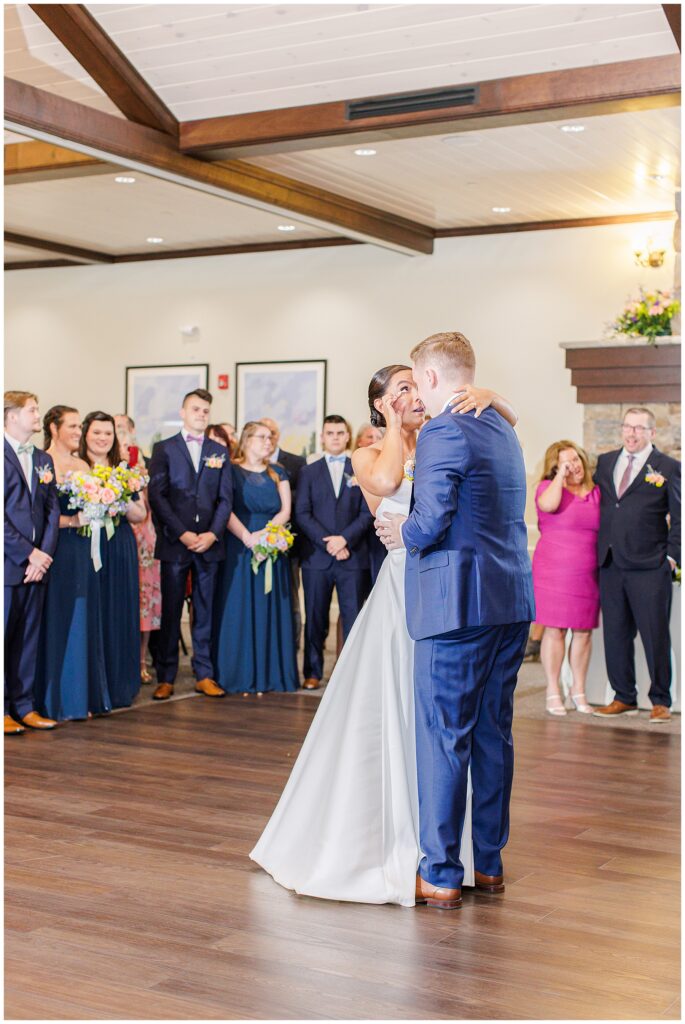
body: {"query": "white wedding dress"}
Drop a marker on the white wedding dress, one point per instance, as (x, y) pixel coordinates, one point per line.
(346, 825)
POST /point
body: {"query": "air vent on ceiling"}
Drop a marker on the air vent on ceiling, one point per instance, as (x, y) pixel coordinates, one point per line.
(412, 102)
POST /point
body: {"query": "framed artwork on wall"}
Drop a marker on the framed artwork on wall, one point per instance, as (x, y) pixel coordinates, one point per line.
(154, 395)
(292, 392)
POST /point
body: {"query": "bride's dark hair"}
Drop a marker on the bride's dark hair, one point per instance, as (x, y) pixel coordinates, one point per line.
(378, 387)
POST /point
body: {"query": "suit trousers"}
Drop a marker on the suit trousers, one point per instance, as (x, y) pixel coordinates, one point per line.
(173, 579)
(464, 685)
(352, 587)
(632, 601)
(23, 612)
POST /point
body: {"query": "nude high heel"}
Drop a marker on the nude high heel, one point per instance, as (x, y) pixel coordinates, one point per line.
(558, 710)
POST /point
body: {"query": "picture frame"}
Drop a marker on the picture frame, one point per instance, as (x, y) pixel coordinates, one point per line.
(290, 391)
(154, 395)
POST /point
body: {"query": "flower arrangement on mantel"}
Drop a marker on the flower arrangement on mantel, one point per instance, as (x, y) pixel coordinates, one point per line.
(648, 317)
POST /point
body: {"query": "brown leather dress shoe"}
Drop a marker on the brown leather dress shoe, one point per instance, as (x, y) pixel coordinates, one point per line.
(436, 895)
(659, 714)
(35, 721)
(12, 728)
(163, 692)
(617, 707)
(311, 684)
(488, 883)
(209, 688)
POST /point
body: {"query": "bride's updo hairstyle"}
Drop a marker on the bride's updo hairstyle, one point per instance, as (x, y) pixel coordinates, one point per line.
(378, 387)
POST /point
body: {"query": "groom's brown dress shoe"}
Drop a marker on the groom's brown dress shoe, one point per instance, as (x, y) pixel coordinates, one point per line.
(163, 692)
(36, 721)
(437, 896)
(12, 728)
(311, 684)
(209, 688)
(489, 883)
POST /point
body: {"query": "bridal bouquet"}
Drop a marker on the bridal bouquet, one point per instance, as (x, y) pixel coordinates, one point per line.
(648, 316)
(101, 496)
(274, 541)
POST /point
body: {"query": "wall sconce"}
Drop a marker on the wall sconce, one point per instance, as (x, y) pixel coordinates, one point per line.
(649, 256)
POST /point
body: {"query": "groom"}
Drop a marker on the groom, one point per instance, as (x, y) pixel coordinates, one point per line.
(469, 598)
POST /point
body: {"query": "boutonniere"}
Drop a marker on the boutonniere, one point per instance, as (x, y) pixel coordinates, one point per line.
(214, 461)
(408, 473)
(350, 480)
(45, 474)
(654, 478)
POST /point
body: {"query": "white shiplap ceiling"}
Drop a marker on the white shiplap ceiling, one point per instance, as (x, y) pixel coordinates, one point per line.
(97, 213)
(537, 170)
(210, 60)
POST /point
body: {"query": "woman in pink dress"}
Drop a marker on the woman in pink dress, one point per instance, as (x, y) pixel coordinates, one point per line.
(565, 570)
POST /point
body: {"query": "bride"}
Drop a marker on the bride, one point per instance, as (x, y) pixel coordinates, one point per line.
(346, 826)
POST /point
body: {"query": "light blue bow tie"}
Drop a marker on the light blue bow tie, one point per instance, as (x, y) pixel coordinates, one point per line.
(336, 458)
(25, 448)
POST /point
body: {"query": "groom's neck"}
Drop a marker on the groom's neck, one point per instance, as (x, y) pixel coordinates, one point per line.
(444, 392)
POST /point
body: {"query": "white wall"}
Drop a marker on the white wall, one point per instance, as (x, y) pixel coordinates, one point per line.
(70, 332)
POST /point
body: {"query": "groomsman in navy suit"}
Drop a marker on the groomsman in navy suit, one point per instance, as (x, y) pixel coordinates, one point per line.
(31, 531)
(333, 520)
(191, 496)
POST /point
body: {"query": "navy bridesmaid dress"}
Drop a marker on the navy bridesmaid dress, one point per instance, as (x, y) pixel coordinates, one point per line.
(254, 646)
(70, 678)
(120, 596)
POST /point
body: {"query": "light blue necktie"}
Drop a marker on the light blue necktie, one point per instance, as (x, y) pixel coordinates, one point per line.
(336, 458)
(25, 448)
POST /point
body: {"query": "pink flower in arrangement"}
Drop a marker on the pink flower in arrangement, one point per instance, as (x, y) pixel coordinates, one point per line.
(107, 496)
(90, 486)
(282, 544)
(112, 512)
(655, 309)
(260, 556)
(135, 483)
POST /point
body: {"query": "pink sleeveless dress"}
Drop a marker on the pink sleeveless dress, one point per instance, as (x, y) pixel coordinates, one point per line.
(565, 570)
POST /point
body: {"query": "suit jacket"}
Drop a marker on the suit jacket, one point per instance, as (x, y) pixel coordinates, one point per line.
(292, 464)
(182, 499)
(634, 527)
(320, 514)
(466, 538)
(31, 514)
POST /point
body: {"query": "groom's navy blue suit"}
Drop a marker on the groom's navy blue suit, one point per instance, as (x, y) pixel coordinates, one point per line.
(469, 598)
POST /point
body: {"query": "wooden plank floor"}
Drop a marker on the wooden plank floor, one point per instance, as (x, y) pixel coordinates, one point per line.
(129, 893)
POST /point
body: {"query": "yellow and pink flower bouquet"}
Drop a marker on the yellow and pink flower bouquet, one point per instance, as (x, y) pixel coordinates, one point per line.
(102, 496)
(274, 541)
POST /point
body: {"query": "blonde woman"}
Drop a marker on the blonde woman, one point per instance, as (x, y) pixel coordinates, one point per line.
(254, 645)
(565, 570)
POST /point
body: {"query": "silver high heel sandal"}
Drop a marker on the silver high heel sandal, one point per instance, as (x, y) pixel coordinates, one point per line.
(580, 703)
(558, 711)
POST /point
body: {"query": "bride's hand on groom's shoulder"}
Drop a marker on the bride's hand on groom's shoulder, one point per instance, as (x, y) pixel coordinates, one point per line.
(470, 397)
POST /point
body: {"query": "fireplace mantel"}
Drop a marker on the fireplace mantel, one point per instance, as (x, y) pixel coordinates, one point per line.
(624, 369)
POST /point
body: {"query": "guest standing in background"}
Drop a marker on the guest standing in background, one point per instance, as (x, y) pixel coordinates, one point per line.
(217, 432)
(333, 516)
(232, 436)
(292, 464)
(149, 576)
(71, 680)
(368, 434)
(253, 638)
(639, 549)
(191, 492)
(118, 577)
(31, 530)
(565, 570)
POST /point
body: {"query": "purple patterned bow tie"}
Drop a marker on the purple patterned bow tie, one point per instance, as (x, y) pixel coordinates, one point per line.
(192, 437)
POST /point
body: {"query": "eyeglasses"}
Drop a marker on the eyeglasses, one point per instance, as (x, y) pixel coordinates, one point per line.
(635, 430)
(261, 437)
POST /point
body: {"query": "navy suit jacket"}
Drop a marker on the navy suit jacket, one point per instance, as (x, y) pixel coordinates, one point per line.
(466, 538)
(182, 499)
(635, 527)
(31, 514)
(319, 514)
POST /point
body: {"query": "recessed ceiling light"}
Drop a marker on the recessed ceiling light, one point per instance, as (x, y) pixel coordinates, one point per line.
(286, 227)
(124, 179)
(501, 209)
(573, 127)
(365, 152)
(153, 240)
(660, 179)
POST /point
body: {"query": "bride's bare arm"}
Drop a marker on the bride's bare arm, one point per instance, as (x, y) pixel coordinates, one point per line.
(379, 468)
(470, 397)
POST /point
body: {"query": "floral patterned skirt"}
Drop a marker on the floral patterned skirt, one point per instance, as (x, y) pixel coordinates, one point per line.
(149, 576)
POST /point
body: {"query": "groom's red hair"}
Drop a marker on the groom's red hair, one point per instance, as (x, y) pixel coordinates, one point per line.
(451, 349)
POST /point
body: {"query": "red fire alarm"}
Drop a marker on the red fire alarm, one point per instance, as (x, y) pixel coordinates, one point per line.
(222, 382)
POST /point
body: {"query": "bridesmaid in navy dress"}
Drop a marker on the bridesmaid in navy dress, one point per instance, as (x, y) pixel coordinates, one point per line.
(70, 678)
(254, 646)
(118, 578)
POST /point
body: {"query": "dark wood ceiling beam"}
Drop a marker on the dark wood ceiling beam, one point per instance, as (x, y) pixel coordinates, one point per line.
(553, 225)
(673, 17)
(39, 264)
(51, 118)
(101, 58)
(524, 99)
(72, 251)
(40, 161)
